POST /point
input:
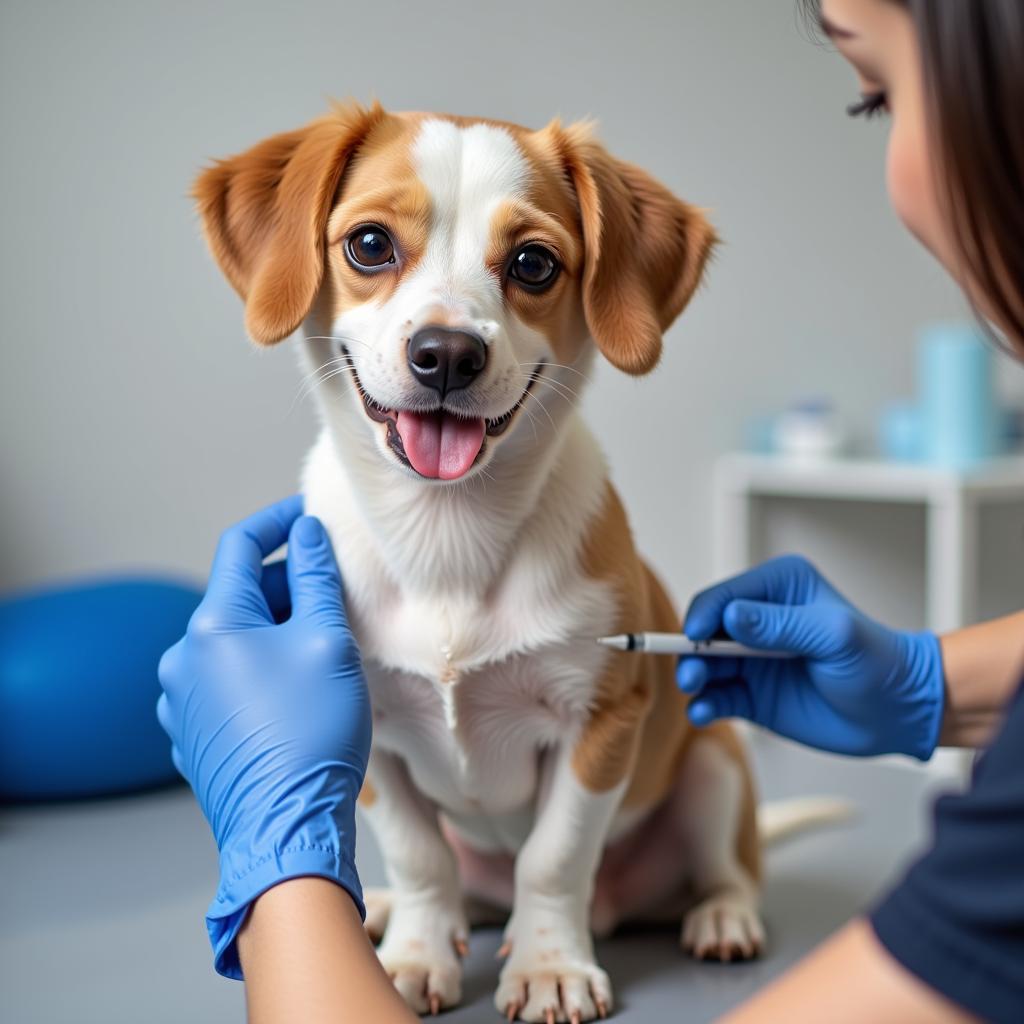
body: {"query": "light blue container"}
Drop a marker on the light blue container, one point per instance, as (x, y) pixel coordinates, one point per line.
(959, 418)
(899, 432)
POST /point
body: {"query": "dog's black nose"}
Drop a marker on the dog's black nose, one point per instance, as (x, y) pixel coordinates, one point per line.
(446, 360)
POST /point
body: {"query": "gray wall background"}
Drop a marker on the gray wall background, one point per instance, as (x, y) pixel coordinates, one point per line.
(136, 420)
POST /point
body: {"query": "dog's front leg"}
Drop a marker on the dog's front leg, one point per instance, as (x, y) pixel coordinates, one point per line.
(426, 930)
(551, 973)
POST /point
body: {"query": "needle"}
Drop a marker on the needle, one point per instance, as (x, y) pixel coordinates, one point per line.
(676, 643)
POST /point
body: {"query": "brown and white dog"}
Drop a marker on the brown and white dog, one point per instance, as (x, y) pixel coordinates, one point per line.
(455, 277)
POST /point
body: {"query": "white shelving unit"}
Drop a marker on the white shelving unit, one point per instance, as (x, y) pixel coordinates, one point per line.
(952, 501)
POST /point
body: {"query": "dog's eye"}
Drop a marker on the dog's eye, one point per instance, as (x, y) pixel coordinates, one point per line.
(534, 267)
(369, 247)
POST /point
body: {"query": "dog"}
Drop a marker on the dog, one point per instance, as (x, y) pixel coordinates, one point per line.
(455, 278)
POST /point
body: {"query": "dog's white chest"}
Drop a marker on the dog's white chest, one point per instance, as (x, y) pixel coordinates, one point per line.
(471, 681)
(471, 720)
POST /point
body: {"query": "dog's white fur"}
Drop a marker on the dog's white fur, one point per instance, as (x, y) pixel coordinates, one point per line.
(469, 602)
(466, 611)
(475, 616)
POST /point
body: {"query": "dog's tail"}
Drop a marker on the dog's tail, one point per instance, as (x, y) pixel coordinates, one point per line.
(780, 819)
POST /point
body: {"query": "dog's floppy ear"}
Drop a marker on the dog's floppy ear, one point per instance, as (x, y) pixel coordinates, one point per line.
(644, 250)
(264, 213)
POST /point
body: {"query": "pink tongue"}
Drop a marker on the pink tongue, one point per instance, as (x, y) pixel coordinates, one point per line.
(439, 444)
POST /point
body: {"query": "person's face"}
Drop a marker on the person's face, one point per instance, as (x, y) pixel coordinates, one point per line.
(877, 38)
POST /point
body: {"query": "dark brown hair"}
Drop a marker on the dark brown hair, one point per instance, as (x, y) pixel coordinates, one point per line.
(972, 54)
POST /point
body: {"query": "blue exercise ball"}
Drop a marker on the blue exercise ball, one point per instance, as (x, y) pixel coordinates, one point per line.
(78, 687)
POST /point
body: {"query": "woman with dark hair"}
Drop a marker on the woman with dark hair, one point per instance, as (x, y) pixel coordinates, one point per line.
(277, 767)
(948, 942)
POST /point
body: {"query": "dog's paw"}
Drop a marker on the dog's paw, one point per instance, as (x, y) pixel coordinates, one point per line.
(421, 952)
(723, 927)
(558, 991)
(551, 975)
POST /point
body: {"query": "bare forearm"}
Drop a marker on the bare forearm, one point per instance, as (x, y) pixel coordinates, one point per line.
(983, 666)
(306, 957)
(848, 980)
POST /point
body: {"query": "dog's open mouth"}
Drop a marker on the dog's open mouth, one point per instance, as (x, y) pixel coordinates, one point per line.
(439, 444)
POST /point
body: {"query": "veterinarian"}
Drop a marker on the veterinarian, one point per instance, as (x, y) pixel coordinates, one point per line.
(268, 711)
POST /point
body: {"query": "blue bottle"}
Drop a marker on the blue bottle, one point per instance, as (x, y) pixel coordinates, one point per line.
(959, 418)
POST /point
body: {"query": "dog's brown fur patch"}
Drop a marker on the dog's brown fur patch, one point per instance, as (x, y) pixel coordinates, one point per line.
(638, 728)
(380, 187)
(265, 211)
(645, 249)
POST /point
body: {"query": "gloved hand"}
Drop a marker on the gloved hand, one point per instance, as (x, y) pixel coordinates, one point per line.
(857, 687)
(270, 723)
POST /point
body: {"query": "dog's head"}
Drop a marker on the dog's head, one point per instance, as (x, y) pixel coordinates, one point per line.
(447, 267)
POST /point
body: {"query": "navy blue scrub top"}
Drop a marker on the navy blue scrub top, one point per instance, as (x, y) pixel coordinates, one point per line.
(957, 918)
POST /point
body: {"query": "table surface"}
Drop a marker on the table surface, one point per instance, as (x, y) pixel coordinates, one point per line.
(102, 902)
(1000, 478)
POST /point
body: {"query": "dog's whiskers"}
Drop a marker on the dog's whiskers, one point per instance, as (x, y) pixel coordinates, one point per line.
(333, 368)
(309, 383)
(532, 419)
(338, 370)
(543, 408)
(343, 363)
(344, 338)
(566, 397)
(311, 380)
(536, 373)
(559, 386)
(560, 366)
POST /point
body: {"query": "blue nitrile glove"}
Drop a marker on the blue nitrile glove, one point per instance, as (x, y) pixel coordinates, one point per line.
(857, 687)
(270, 723)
